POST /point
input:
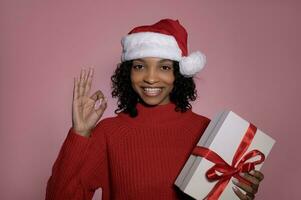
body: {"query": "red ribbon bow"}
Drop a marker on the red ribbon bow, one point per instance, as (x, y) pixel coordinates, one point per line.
(239, 163)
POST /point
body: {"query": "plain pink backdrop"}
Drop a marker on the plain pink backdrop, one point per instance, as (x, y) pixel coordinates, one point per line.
(253, 52)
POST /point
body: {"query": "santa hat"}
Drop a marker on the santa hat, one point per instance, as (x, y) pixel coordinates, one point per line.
(164, 39)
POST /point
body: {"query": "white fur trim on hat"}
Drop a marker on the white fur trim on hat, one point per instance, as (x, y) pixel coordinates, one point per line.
(150, 44)
(192, 64)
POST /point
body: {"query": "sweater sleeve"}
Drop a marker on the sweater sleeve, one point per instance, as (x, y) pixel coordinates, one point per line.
(80, 168)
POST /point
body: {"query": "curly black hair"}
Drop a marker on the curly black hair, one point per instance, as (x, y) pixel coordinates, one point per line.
(183, 90)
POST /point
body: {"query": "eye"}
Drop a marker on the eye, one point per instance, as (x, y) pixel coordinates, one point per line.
(166, 67)
(137, 67)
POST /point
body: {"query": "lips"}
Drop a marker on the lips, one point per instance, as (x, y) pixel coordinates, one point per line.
(152, 91)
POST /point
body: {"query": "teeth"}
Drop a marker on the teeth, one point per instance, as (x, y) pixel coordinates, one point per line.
(152, 89)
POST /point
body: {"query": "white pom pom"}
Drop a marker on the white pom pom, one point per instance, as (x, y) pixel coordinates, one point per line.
(192, 64)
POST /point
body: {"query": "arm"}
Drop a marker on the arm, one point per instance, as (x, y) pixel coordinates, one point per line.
(80, 168)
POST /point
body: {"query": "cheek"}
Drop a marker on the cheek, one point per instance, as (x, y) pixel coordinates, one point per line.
(135, 77)
(171, 82)
(169, 79)
(134, 81)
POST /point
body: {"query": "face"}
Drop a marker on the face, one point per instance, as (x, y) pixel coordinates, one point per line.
(152, 79)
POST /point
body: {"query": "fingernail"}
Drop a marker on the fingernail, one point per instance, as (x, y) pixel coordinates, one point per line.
(242, 174)
(96, 104)
(252, 172)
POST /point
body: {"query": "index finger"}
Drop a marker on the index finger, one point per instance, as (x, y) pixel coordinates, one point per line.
(97, 95)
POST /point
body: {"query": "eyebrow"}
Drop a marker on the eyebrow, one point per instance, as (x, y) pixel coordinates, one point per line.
(164, 60)
(161, 61)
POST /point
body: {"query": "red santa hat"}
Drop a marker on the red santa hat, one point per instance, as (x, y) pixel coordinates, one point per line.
(164, 39)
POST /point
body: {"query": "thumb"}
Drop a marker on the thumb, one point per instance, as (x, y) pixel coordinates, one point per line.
(100, 110)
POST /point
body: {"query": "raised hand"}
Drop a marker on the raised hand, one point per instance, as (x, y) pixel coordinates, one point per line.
(85, 113)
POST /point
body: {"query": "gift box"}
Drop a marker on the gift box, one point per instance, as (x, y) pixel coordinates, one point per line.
(229, 145)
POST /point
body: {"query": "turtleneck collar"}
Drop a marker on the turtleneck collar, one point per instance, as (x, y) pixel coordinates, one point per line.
(155, 115)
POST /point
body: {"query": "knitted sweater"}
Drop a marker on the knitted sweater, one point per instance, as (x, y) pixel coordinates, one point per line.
(129, 158)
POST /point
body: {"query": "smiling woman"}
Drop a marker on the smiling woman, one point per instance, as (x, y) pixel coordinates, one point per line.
(151, 81)
(139, 153)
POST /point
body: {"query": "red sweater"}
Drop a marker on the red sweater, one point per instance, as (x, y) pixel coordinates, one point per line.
(129, 158)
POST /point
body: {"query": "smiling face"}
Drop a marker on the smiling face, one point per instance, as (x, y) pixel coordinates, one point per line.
(152, 79)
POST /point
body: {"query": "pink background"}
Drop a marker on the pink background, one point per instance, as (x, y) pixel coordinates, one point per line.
(253, 52)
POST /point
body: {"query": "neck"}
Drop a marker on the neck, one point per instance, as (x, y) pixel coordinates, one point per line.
(158, 115)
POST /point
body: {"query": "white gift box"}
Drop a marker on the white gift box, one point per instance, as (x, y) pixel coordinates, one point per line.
(223, 136)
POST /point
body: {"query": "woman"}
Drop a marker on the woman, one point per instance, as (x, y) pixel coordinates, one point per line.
(139, 153)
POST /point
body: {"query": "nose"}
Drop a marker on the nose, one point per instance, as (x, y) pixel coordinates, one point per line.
(151, 76)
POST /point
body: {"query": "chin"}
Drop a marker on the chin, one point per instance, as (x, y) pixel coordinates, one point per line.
(153, 102)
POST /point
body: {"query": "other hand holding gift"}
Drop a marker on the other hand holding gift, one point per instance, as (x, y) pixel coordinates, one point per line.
(231, 148)
(254, 177)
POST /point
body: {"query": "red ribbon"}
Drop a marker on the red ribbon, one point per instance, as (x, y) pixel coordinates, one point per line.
(239, 163)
